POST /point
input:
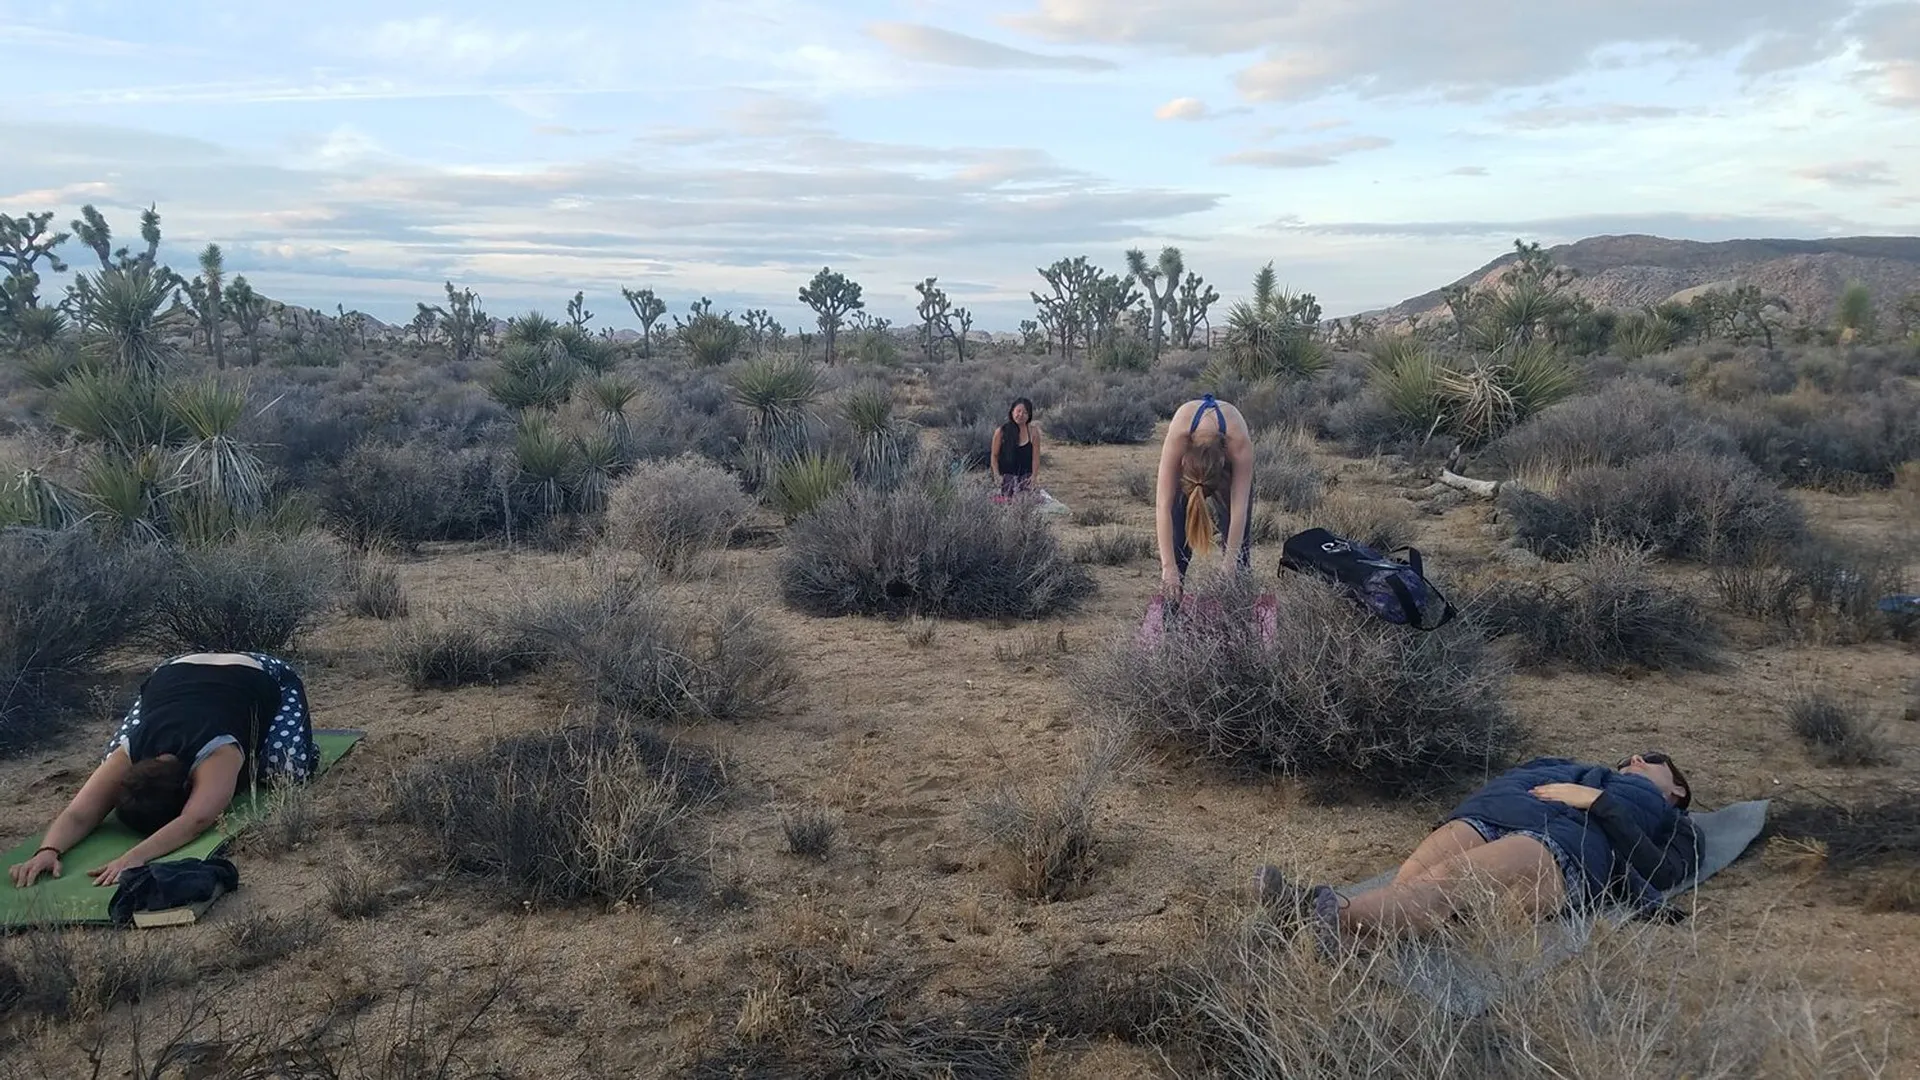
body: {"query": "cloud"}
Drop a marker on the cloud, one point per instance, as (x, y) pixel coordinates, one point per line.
(1182, 108)
(1674, 225)
(439, 42)
(1849, 174)
(1472, 48)
(1556, 116)
(1309, 156)
(932, 45)
(1889, 37)
(1468, 170)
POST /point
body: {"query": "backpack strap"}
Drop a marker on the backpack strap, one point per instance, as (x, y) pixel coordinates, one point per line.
(1400, 592)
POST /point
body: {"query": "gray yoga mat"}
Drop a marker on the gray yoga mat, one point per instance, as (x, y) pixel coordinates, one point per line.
(1468, 985)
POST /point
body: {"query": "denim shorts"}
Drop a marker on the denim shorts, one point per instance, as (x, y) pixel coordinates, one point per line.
(1572, 878)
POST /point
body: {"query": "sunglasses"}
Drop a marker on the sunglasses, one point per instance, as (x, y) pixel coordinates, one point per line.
(1658, 758)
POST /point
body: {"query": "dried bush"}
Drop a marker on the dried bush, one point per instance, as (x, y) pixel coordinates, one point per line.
(446, 654)
(1683, 505)
(1111, 419)
(262, 938)
(1045, 831)
(643, 659)
(1335, 693)
(1138, 484)
(1814, 439)
(930, 549)
(1623, 421)
(1252, 1000)
(1383, 524)
(374, 590)
(920, 632)
(1284, 472)
(408, 494)
(1824, 586)
(809, 833)
(971, 445)
(66, 599)
(79, 974)
(602, 812)
(671, 511)
(1094, 515)
(254, 595)
(1606, 613)
(354, 891)
(1837, 731)
(1114, 547)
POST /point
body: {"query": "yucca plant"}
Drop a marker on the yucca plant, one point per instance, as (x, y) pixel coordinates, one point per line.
(532, 328)
(1407, 376)
(1538, 375)
(1642, 335)
(1516, 315)
(599, 459)
(210, 460)
(712, 340)
(546, 461)
(612, 397)
(1268, 339)
(587, 351)
(1475, 400)
(533, 377)
(129, 311)
(37, 327)
(47, 366)
(804, 482)
(117, 410)
(34, 499)
(127, 495)
(885, 442)
(1853, 313)
(778, 393)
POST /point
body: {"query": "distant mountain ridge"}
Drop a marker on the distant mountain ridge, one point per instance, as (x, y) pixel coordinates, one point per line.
(1626, 272)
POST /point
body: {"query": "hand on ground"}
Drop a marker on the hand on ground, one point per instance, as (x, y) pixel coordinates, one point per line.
(110, 873)
(26, 873)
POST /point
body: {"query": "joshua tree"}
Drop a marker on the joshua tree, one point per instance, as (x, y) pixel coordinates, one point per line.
(935, 312)
(463, 323)
(647, 308)
(1064, 313)
(831, 296)
(577, 314)
(247, 309)
(207, 302)
(964, 320)
(24, 244)
(1196, 296)
(93, 231)
(1162, 305)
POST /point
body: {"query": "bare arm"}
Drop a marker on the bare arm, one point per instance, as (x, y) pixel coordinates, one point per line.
(213, 783)
(1240, 505)
(1167, 486)
(83, 814)
(993, 456)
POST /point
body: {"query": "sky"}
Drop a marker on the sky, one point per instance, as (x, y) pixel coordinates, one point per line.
(362, 153)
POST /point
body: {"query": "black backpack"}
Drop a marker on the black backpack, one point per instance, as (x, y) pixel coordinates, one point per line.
(1395, 591)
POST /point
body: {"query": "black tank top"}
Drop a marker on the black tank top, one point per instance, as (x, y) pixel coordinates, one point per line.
(1016, 458)
(183, 707)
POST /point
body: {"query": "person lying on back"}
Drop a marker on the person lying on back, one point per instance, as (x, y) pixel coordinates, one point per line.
(1553, 835)
(204, 728)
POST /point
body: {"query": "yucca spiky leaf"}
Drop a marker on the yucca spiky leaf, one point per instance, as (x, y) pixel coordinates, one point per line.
(211, 461)
(598, 462)
(804, 482)
(532, 328)
(125, 494)
(546, 460)
(1538, 375)
(128, 312)
(1407, 376)
(115, 409)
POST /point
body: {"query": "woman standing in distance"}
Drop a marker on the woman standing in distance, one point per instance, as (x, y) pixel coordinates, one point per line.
(1204, 496)
(1015, 457)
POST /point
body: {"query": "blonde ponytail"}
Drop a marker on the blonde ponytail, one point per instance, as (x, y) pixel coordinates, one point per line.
(1204, 473)
(1199, 524)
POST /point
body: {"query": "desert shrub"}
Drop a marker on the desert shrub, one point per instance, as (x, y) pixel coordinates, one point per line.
(411, 493)
(374, 590)
(809, 832)
(1823, 440)
(1045, 831)
(1383, 524)
(1113, 418)
(1607, 612)
(449, 654)
(971, 445)
(263, 938)
(921, 632)
(642, 659)
(593, 813)
(355, 891)
(1335, 693)
(672, 511)
(930, 550)
(1683, 505)
(66, 599)
(1623, 421)
(1138, 484)
(1094, 515)
(1836, 730)
(1114, 547)
(1285, 472)
(1822, 585)
(254, 595)
(1122, 353)
(1251, 999)
(804, 482)
(78, 974)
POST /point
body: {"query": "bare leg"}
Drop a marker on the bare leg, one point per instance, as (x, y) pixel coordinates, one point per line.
(1518, 869)
(1449, 841)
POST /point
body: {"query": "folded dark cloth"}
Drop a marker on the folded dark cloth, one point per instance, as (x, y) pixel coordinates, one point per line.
(159, 886)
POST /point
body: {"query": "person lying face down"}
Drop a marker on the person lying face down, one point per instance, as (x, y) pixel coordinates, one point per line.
(1551, 836)
(205, 727)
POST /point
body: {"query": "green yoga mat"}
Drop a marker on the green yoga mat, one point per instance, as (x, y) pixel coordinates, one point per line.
(73, 898)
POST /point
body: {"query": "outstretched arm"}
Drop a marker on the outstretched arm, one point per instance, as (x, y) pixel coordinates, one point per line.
(82, 815)
(213, 783)
(1240, 505)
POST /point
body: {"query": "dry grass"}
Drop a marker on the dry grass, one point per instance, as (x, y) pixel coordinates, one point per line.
(1836, 730)
(1114, 547)
(1045, 831)
(1606, 613)
(1383, 524)
(374, 590)
(810, 832)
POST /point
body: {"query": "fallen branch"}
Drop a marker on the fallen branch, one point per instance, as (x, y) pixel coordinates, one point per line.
(1487, 489)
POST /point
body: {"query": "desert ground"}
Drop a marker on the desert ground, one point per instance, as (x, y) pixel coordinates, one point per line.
(897, 731)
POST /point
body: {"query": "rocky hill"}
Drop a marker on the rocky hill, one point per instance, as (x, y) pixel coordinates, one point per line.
(1626, 272)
